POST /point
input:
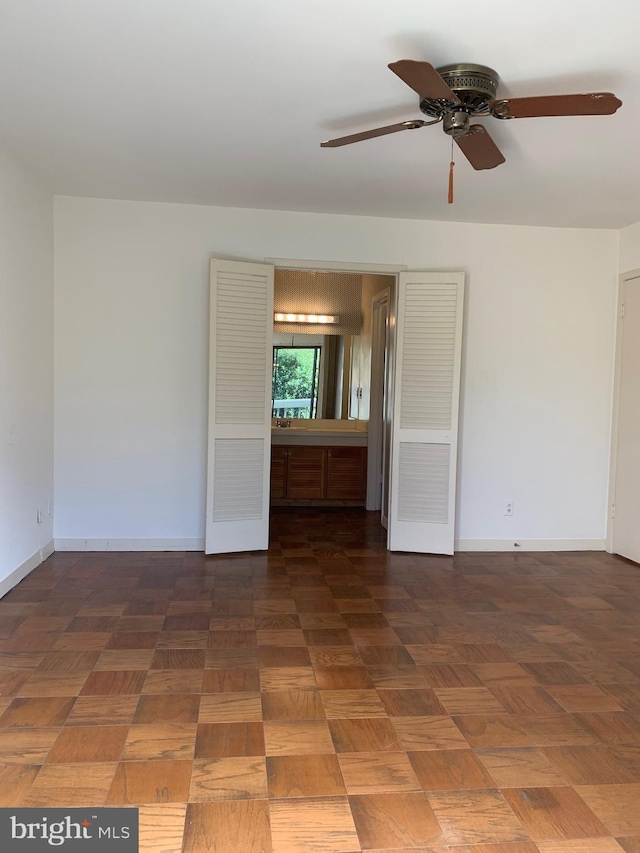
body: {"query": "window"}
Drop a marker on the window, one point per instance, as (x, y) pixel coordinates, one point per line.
(294, 390)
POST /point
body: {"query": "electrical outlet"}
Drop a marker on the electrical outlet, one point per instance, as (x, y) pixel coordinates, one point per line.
(38, 515)
(508, 508)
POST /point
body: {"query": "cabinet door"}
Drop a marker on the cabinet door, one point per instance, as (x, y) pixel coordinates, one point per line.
(278, 472)
(346, 478)
(306, 472)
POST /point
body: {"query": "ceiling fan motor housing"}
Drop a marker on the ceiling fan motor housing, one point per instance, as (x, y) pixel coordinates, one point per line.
(474, 85)
(456, 123)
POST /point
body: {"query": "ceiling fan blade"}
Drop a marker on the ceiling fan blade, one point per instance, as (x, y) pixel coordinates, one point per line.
(592, 104)
(413, 124)
(423, 78)
(479, 148)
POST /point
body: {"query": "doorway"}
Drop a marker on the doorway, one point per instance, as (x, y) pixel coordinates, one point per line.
(624, 538)
(426, 340)
(359, 380)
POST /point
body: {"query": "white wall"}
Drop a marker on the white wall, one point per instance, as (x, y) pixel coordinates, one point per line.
(630, 248)
(26, 371)
(131, 353)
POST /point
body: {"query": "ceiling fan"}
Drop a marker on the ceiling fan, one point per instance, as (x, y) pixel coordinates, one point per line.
(453, 94)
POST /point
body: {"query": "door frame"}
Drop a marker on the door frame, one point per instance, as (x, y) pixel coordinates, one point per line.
(364, 269)
(335, 266)
(631, 275)
(381, 347)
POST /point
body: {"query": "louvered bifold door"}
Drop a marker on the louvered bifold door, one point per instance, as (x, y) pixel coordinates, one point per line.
(425, 417)
(240, 363)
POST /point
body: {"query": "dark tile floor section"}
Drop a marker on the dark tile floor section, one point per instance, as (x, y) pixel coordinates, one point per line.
(330, 697)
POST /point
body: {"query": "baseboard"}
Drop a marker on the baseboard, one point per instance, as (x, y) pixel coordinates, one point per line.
(530, 545)
(25, 568)
(198, 545)
(129, 544)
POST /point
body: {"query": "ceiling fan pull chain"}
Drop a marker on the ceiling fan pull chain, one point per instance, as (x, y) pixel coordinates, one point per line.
(451, 165)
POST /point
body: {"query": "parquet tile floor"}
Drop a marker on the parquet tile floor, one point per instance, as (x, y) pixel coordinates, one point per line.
(329, 696)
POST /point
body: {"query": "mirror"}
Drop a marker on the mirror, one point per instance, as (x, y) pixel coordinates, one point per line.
(311, 376)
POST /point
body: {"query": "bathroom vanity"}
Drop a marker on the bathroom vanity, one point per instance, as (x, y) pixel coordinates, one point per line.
(319, 464)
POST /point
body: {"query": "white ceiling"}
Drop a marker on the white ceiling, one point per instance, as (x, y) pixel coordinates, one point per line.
(226, 103)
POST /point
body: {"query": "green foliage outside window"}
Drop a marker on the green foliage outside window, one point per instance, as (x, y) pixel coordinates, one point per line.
(295, 377)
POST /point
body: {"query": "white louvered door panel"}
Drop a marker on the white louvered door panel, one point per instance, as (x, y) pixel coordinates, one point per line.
(240, 364)
(425, 418)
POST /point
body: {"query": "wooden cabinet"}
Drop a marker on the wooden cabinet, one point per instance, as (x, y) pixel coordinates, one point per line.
(346, 473)
(306, 474)
(278, 471)
(318, 474)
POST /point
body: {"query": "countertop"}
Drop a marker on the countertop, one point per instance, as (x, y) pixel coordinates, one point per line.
(322, 437)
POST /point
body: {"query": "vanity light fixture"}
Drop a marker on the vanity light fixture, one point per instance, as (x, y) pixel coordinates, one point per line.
(314, 319)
